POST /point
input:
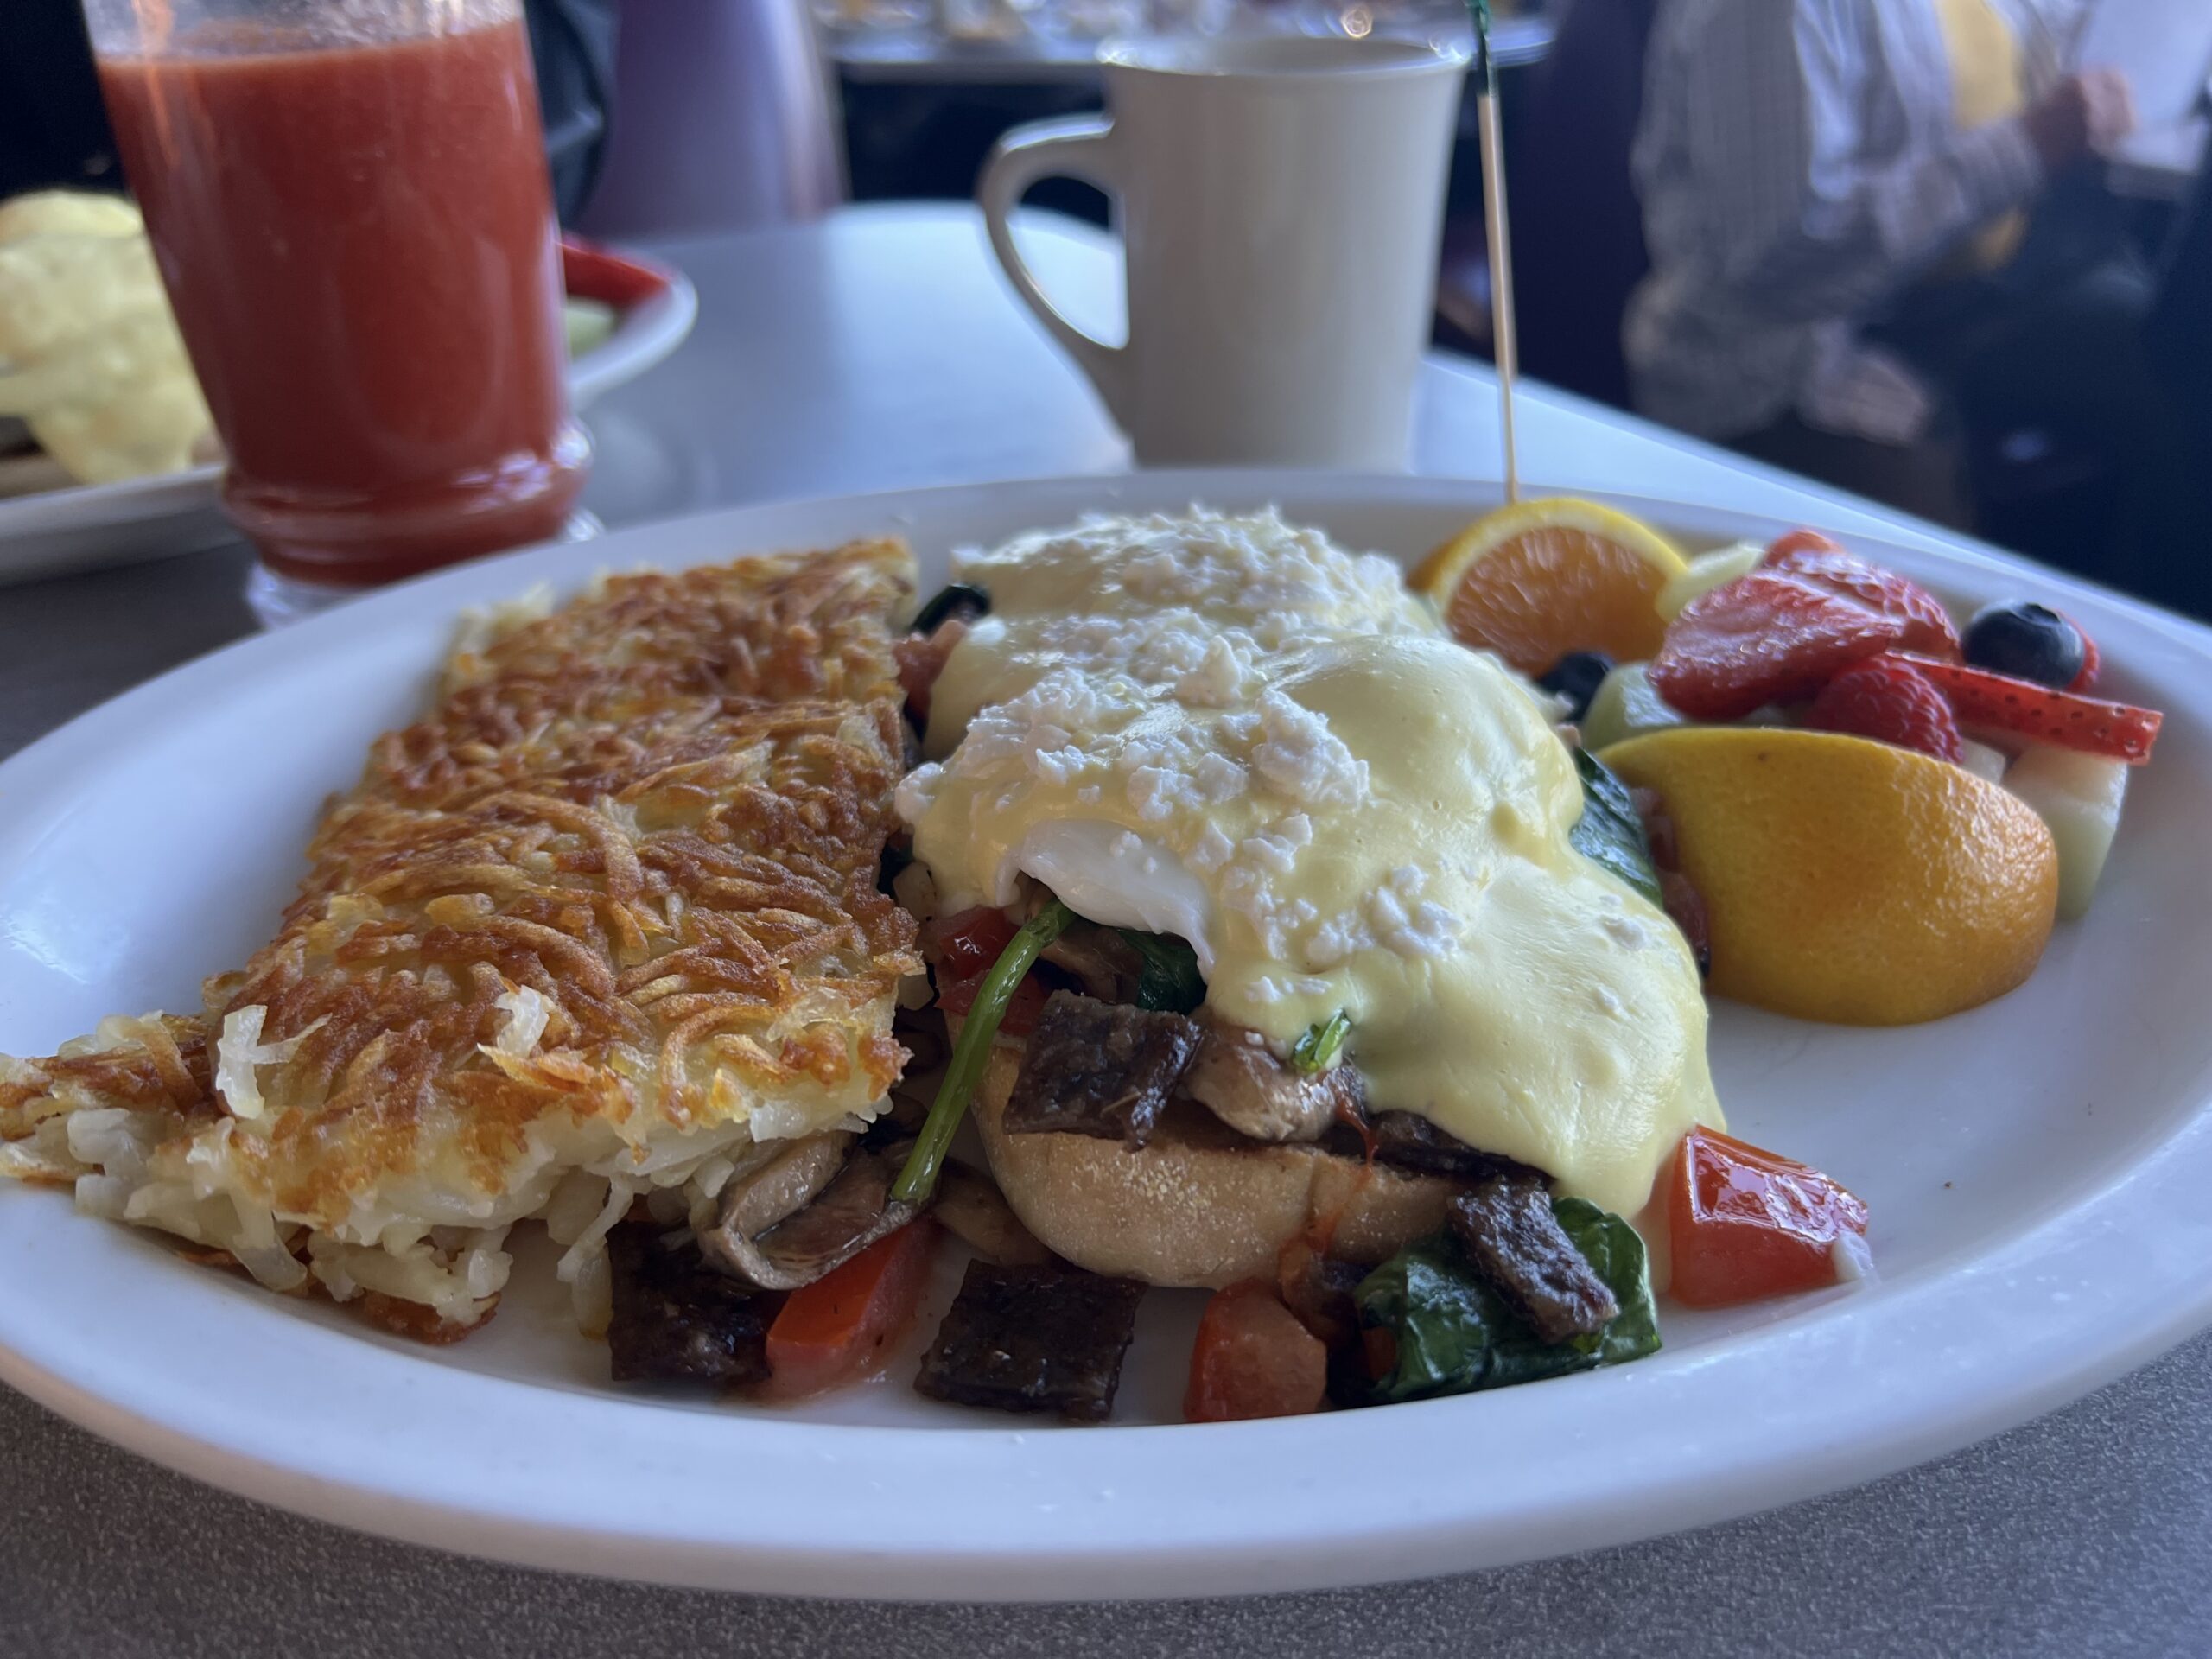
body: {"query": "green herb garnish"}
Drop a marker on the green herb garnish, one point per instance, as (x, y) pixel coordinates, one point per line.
(1168, 979)
(1610, 832)
(918, 1179)
(1454, 1334)
(1317, 1049)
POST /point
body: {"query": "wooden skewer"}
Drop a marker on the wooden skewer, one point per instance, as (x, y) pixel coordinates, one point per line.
(1504, 347)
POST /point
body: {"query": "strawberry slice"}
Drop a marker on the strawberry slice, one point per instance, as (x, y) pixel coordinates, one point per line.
(1765, 637)
(1792, 541)
(1888, 699)
(2091, 663)
(1928, 627)
(2117, 730)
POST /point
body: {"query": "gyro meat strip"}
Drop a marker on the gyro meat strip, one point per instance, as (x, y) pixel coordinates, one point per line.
(1411, 1141)
(1518, 1245)
(1096, 1069)
(1033, 1339)
(678, 1321)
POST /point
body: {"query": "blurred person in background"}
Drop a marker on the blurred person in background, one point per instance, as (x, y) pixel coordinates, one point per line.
(1845, 282)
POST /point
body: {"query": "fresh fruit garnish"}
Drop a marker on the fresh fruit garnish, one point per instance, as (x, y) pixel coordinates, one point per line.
(1801, 541)
(1984, 760)
(1576, 677)
(2091, 662)
(1889, 700)
(2079, 796)
(1626, 706)
(2027, 641)
(1538, 579)
(2119, 731)
(1769, 637)
(1707, 571)
(1745, 1223)
(1849, 880)
(1685, 907)
(1927, 625)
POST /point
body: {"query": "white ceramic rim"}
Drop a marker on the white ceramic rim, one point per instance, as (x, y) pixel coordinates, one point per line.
(1288, 59)
(558, 1479)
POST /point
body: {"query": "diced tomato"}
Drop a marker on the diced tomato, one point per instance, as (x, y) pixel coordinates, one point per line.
(591, 272)
(1799, 541)
(964, 946)
(1746, 1223)
(958, 995)
(921, 658)
(1254, 1359)
(831, 1330)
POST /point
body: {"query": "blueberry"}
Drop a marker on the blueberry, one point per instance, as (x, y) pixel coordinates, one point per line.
(1577, 676)
(2025, 640)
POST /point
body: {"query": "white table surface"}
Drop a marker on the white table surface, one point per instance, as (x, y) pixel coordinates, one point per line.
(879, 350)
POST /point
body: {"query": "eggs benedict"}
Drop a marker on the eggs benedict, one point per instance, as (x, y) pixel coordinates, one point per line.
(1227, 734)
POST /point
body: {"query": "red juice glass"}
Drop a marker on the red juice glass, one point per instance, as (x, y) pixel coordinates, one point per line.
(349, 205)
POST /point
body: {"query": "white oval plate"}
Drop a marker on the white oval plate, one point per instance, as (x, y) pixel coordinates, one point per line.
(2036, 1171)
(93, 526)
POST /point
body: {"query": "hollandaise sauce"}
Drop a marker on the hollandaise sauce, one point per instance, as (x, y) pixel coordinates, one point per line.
(1229, 730)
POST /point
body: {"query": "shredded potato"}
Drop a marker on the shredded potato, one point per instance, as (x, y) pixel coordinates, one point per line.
(604, 921)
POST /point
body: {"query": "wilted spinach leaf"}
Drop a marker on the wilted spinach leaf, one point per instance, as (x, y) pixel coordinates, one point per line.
(1455, 1334)
(1440, 1314)
(1168, 981)
(1610, 832)
(1616, 1254)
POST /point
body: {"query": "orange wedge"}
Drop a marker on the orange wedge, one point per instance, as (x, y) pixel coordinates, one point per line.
(1538, 579)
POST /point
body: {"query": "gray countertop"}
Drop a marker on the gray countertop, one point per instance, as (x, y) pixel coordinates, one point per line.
(2081, 1534)
(2087, 1532)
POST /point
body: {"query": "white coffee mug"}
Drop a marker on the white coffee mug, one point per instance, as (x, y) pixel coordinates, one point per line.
(1281, 200)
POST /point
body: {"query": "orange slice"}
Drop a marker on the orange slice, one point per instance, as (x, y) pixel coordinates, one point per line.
(1538, 579)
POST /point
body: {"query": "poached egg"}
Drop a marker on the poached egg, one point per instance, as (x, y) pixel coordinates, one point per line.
(1229, 729)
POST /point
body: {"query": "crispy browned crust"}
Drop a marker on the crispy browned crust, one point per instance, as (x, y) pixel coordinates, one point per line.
(662, 809)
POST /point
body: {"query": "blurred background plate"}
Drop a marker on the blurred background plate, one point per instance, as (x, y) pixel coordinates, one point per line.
(91, 527)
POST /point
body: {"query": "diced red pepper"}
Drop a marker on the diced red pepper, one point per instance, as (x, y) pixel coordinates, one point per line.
(1746, 1223)
(829, 1332)
(1253, 1358)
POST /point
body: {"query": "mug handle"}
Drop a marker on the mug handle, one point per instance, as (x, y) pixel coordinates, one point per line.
(1079, 147)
